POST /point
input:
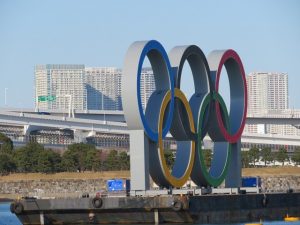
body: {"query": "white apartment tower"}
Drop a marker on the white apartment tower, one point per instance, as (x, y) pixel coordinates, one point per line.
(267, 91)
(65, 83)
(103, 86)
(79, 87)
(268, 94)
(147, 85)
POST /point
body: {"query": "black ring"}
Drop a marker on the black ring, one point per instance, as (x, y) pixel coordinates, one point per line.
(177, 205)
(18, 208)
(97, 202)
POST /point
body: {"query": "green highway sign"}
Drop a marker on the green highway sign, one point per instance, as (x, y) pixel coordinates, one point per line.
(45, 98)
(42, 98)
(51, 98)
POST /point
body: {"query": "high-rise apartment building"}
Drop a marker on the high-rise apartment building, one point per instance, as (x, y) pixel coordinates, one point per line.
(103, 86)
(60, 87)
(147, 85)
(268, 94)
(267, 91)
(79, 87)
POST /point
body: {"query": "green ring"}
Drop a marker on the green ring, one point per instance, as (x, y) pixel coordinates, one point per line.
(212, 181)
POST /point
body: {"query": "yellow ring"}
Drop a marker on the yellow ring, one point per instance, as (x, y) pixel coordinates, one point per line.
(174, 181)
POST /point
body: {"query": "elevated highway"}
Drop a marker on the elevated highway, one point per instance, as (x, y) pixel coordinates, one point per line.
(293, 120)
(100, 116)
(108, 115)
(118, 116)
(271, 139)
(62, 122)
(113, 122)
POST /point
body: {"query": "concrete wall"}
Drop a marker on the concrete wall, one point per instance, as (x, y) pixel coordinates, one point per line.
(75, 188)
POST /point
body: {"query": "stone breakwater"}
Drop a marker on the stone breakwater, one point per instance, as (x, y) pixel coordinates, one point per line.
(51, 188)
(281, 183)
(61, 188)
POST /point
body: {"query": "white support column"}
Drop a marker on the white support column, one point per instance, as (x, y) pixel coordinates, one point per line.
(80, 136)
(139, 161)
(156, 217)
(42, 220)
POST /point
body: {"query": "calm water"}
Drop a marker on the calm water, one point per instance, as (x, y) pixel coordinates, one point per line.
(7, 218)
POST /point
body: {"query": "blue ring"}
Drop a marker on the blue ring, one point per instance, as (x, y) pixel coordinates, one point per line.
(155, 45)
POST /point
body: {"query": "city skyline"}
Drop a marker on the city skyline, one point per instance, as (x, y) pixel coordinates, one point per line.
(265, 34)
(268, 94)
(75, 86)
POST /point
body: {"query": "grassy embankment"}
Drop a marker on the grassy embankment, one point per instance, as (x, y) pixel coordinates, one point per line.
(65, 175)
(272, 171)
(265, 171)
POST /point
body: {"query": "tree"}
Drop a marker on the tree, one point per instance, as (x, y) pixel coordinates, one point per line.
(245, 159)
(111, 162)
(27, 157)
(6, 144)
(75, 158)
(266, 155)
(80, 150)
(69, 161)
(296, 156)
(93, 160)
(169, 156)
(282, 155)
(49, 162)
(254, 155)
(124, 161)
(7, 164)
(207, 153)
(273, 157)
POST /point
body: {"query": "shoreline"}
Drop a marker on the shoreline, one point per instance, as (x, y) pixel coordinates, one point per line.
(66, 185)
(105, 175)
(65, 176)
(6, 200)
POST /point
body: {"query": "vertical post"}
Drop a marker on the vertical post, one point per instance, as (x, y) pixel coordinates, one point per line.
(5, 96)
(234, 175)
(156, 217)
(139, 160)
(70, 105)
(102, 105)
(37, 104)
(42, 221)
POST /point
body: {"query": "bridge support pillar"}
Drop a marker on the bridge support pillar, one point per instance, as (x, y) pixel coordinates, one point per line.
(80, 136)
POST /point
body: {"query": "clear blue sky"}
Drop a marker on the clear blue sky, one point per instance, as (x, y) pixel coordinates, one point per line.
(266, 34)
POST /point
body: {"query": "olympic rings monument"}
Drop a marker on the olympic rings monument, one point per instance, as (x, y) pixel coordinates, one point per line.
(169, 112)
(188, 121)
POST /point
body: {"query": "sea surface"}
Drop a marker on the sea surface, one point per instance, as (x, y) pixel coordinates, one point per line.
(7, 218)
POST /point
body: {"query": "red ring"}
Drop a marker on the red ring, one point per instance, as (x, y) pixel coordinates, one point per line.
(231, 138)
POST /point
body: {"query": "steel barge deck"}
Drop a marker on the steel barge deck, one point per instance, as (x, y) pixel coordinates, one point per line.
(225, 208)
